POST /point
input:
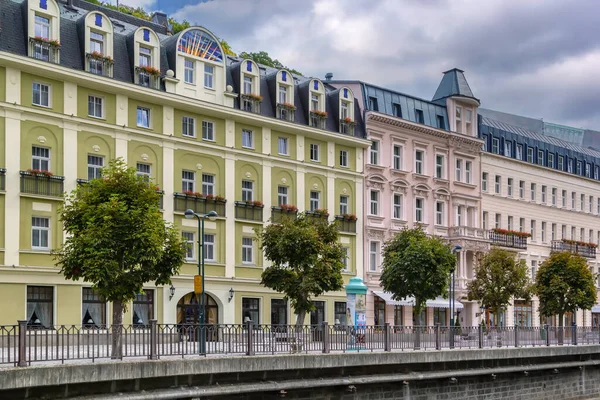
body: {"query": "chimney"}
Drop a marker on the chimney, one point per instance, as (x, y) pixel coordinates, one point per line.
(160, 18)
(328, 76)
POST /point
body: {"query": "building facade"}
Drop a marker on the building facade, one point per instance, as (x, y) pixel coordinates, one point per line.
(81, 85)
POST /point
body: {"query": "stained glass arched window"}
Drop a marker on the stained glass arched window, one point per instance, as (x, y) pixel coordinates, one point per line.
(200, 44)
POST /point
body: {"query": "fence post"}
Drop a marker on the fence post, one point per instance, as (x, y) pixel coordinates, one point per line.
(153, 342)
(547, 330)
(22, 356)
(516, 335)
(387, 345)
(438, 337)
(451, 337)
(574, 334)
(326, 338)
(250, 338)
(480, 335)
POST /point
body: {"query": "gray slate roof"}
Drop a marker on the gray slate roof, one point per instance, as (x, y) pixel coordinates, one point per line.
(453, 83)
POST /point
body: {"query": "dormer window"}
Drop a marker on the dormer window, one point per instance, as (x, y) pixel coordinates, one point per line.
(286, 110)
(209, 72)
(147, 72)
(98, 44)
(44, 30)
(42, 27)
(347, 122)
(250, 87)
(145, 59)
(317, 114)
(282, 94)
(248, 81)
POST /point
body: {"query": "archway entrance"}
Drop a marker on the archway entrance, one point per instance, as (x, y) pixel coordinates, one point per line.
(187, 310)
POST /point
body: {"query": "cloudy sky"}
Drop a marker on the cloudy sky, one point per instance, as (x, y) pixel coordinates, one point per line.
(538, 58)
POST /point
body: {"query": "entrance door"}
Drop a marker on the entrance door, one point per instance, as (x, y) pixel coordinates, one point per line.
(188, 312)
(317, 318)
(279, 318)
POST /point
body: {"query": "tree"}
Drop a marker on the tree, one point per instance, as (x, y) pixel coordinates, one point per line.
(416, 265)
(117, 239)
(564, 283)
(499, 277)
(262, 57)
(306, 258)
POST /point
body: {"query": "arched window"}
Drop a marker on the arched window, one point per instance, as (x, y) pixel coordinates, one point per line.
(346, 105)
(318, 114)
(250, 86)
(98, 44)
(285, 96)
(147, 61)
(44, 30)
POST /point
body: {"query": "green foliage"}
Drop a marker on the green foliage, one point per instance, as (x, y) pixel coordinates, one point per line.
(177, 27)
(262, 57)
(416, 265)
(564, 283)
(306, 258)
(118, 239)
(226, 48)
(499, 277)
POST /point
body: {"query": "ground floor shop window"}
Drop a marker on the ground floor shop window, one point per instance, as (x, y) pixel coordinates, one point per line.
(251, 310)
(440, 316)
(93, 309)
(279, 312)
(40, 304)
(143, 308)
(398, 316)
(340, 313)
(379, 311)
(523, 313)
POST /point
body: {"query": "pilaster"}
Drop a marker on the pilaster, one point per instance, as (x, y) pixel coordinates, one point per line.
(12, 200)
(121, 140)
(122, 110)
(230, 220)
(70, 100)
(229, 133)
(168, 121)
(13, 85)
(300, 189)
(266, 140)
(168, 184)
(360, 226)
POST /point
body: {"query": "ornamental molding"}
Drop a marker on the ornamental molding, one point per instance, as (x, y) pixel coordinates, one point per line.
(375, 185)
(96, 148)
(41, 139)
(248, 175)
(398, 188)
(144, 157)
(375, 234)
(315, 186)
(283, 180)
(199, 166)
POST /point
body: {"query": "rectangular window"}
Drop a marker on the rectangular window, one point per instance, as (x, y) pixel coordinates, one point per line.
(468, 171)
(93, 309)
(543, 194)
(533, 191)
(553, 196)
(145, 57)
(282, 146)
(315, 200)
(189, 71)
(509, 187)
(96, 42)
(439, 213)
(564, 199)
(439, 166)
(551, 160)
(485, 220)
(553, 232)
(143, 308)
(339, 313)
(578, 167)
(247, 190)
(419, 156)
(282, 195)
(343, 158)
(497, 184)
(209, 72)
(247, 139)
(543, 232)
(42, 27)
(582, 202)
(530, 155)
(484, 181)
(374, 152)
(373, 256)
(564, 232)
(573, 233)
(41, 94)
(208, 130)
(190, 246)
(343, 205)
(573, 205)
(95, 164)
(540, 159)
(95, 106)
(533, 269)
(282, 94)
(598, 206)
(188, 181)
(40, 158)
(397, 157)
(521, 224)
(495, 145)
(209, 247)
(40, 233)
(374, 202)
(497, 221)
(519, 152)
(144, 169)
(440, 121)
(188, 127)
(40, 306)
(247, 250)
(397, 206)
(588, 169)
(419, 206)
(248, 83)
(314, 152)
(397, 110)
(459, 216)
(509, 225)
(208, 184)
(532, 231)
(459, 170)
(561, 165)
(345, 259)
(508, 148)
(582, 234)
(314, 102)
(373, 106)
(521, 189)
(143, 117)
(596, 172)
(419, 115)
(570, 166)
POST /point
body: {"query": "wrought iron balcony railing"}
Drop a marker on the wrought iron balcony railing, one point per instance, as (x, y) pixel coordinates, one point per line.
(345, 224)
(587, 250)
(347, 127)
(248, 211)
(143, 78)
(278, 214)
(507, 240)
(45, 185)
(250, 103)
(318, 215)
(317, 120)
(45, 50)
(200, 205)
(99, 65)
(286, 112)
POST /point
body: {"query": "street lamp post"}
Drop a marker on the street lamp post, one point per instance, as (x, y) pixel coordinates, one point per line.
(452, 299)
(212, 215)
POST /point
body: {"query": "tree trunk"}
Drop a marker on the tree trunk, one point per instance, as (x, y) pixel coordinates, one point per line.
(417, 329)
(117, 331)
(561, 324)
(300, 318)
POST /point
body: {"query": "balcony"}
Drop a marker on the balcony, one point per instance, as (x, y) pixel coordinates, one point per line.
(251, 211)
(317, 215)
(510, 239)
(317, 119)
(44, 49)
(2, 178)
(346, 224)
(286, 111)
(278, 214)
(347, 126)
(41, 183)
(467, 232)
(148, 77)
(250, 103)
(98, 64)
(587, 250)
(161, 194)
(199, 204)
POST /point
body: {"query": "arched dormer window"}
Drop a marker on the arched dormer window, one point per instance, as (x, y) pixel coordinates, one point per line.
(250, 86)
(346, 105)
(98, 44)
(147, 61)
(285, 96)
(43, 18)
(318, 114)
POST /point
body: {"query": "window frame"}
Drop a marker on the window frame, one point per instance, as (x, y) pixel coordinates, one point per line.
(97, 168)
(374, 152)
(209, 247)
(41, 232)
(208, 130)
(282, 195)
(95, 105)
(419, 211)
(315, 152)
(190, 245)
(344, 158)
(374, 196)
(189, 72)
(209, 76)
(314, 200)
(420, 163)
(149, 117)
(187, 181)
(397, 206)
(247, 190)
(208, 187)
(285, 141)
(186, 123)
(248, 139)
(248, 250)
(48, 94)
(344, 204)
(397, 158)
(374, 253)
(41, 159)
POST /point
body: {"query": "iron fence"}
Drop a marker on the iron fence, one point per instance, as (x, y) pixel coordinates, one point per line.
(21, 345)
(52, 185)
(278, 214)
(508, 240)
(583, 249)
(345, 224)
(200, 205)
(248, 211)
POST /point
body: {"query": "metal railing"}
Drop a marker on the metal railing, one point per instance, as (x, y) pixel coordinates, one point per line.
(506, 240)
(2, 178)
(316, 215)
(286, 112)
(143, 78)
(347, 128)
(468, 232)
(21, 345)
(249, 103)
(200, 205)
(99, 65)
(317, 120)
(278, 214)
(44, 50)
(584, 250)
(346, 225)
(41, 184)
(248, 211)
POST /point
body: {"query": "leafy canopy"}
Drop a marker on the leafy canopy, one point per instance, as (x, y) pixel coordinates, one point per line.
(306, 259)
(262, 57)
(416, 265)
(564, 283)
(499, 277)
(118, 239)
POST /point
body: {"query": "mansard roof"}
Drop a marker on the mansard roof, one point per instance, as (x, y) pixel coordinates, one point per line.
(454, 84)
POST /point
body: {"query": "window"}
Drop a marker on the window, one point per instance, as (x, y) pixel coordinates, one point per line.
(439, 213)
(543, 232)
(459, 170)
(508, 148)
(551, 160)
(540, 159)
(573, 205)
(521, 224)
(397, 157)
(598, 206)
(596, 172)
(41, 94)
(248, 83)
(498, 184)
(208, 130)
(582, 234)
(495, 145)
(374, 202)
(533, 190)
(459, 216)
(95, 164)
(484, 146)
(247, 139)
(314, 152)
(485, 220)
(519, 152)
(143, 308)
(189, 71)
(345, 259)
(419, 155)
(509, 187)
(343, 205)
(247, 249)
(209, 247)
(143, 169)
(397, 110)
(42, 27)
(533, 269)
(374, 152)
(282, 146)
(398, 316)
(40, 233)
(532, 231)
(40, 158)
(563, 232)
(484, 181)
(564, 198)
(247, 190)
(419, 209)
(373, 106)
(509, 224)
(344, 110)
(561, 163)
(468, 171)
(439, 166)
(419, 115)
(588, 168)
(93, 309)
(553, 196)
(145, 57)
(282, 195)
(188, 127)
(582, 202)
(397, 206)
(521, 189)
(343, 158)
(190, 248)
(578, 167)
(440, 121)
(209, 72)
(188, 181)
(339, 313)
(282, 94)
(553, 232)
(96, 42)
(498, 221)
(315, 200)
(373, 256)
(95, 107)
(314, 102)
(543, 194)
(40, 306)
(143, 117)
(570, 166)
(208, 184)
(573, 233)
